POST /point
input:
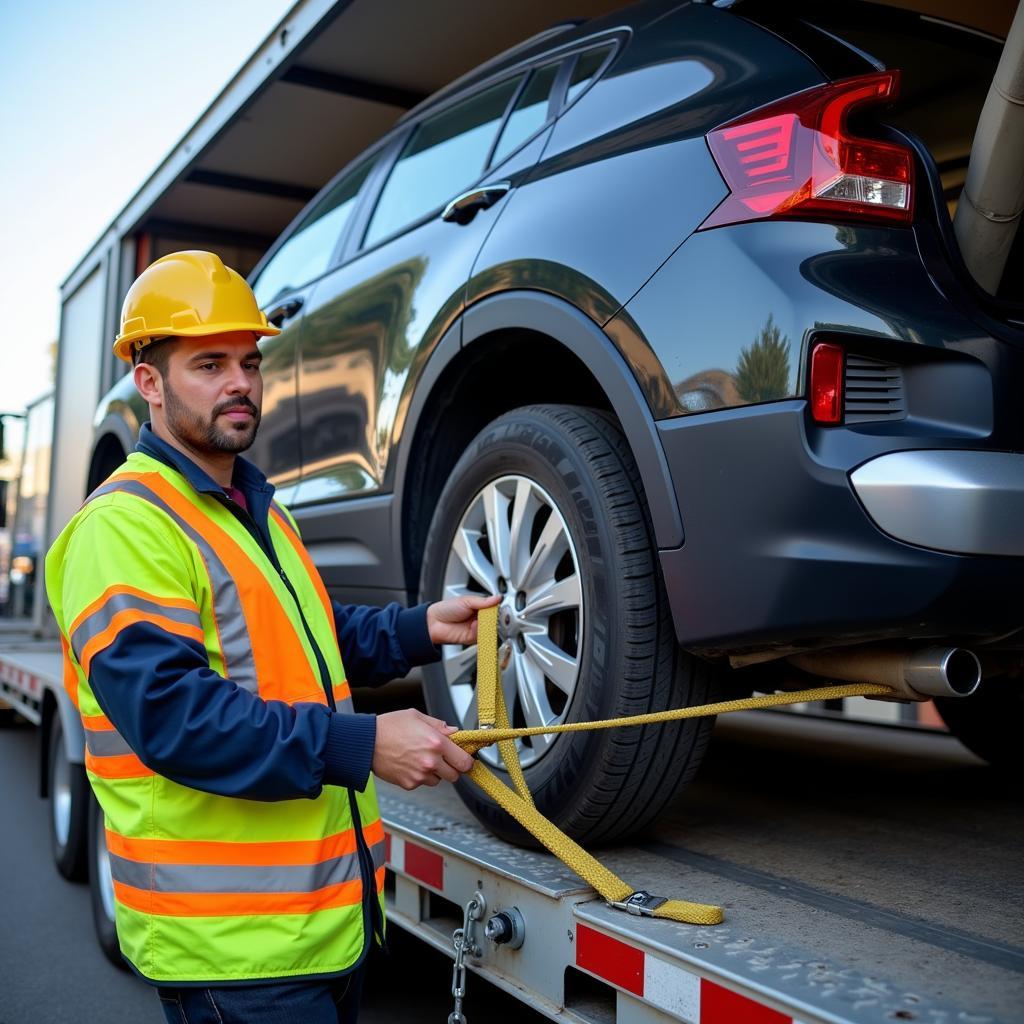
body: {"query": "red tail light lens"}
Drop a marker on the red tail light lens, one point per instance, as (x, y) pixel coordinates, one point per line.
(796, 158)
(826, 383)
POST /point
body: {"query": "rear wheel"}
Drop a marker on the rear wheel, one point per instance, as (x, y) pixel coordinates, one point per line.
(101, 887)
(988, 722)
(546, 508)
(69, 808)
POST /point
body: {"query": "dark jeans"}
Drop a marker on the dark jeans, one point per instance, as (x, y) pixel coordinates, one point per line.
(314, 1002)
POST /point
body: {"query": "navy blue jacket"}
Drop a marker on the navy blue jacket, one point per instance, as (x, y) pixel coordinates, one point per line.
(185, 722)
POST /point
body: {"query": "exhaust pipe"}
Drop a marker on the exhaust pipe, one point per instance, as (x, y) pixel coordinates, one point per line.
(913, 675)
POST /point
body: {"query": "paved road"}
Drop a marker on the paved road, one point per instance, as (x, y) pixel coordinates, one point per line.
(51, 971)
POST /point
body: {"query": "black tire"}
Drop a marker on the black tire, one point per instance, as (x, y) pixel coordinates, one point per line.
(596, 786)
(988, 722)
(100, 888)
(69, 808)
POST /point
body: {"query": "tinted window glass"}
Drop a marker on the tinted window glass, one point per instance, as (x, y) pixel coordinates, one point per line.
(307, 252)
(586, 67)
(444, 154)
(529, 113)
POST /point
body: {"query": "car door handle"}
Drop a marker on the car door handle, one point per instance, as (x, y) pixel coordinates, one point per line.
(284, 311)
(462, 209)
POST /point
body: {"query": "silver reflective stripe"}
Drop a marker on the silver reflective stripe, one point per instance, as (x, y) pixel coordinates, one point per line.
(106, 743)
(345, 705)
(378, 853)
(239, 665)
(102, 618)
(235, 878)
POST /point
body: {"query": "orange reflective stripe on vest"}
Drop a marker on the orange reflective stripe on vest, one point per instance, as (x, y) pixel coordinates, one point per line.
(270, 661)
(97, 627)
(347, 894)
(243, 878)
(107, 753)
(211, 888)
(70, 673)
(303, 554)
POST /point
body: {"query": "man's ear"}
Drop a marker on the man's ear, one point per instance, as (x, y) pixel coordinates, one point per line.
(149, 384)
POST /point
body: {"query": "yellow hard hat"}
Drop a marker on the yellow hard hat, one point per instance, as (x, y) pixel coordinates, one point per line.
(187, 295)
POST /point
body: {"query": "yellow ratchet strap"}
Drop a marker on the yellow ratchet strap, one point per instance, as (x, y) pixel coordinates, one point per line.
(518, 802)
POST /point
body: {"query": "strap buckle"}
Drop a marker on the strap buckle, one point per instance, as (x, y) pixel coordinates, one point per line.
(640, 904)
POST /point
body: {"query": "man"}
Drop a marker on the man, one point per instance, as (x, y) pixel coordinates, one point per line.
(209, 667)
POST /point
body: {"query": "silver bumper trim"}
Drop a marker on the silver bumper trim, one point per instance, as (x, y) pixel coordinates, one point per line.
(967, 502)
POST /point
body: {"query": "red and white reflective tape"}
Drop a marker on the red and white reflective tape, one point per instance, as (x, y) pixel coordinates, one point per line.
(414, 860)
(24, 681)
(666, 985)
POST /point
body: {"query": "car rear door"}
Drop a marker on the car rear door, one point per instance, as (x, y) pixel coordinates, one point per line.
(375, 318)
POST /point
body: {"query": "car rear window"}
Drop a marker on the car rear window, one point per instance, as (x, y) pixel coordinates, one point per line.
(587, 65)
(529, 113)
(444, 154)
(306, 254)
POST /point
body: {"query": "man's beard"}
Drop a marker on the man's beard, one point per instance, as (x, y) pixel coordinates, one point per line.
(205, 436)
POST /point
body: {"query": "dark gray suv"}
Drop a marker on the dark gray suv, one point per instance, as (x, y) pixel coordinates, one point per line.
(657, 327)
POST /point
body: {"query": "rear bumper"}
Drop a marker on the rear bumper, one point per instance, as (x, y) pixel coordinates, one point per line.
(780, 550)
(968, 502)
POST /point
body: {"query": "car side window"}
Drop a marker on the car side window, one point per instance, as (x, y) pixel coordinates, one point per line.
(587, 65)
(444, 153)
(307, 252)
(529, 113)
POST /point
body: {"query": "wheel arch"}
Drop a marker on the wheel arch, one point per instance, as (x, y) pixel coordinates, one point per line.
(114, 439)
(469, 380)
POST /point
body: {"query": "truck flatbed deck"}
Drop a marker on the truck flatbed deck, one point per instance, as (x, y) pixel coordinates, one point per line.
(869, 873)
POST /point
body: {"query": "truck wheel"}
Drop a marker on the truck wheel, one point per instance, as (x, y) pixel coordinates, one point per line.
(101, 886)
(988, 722)
(69, 808)
(546, 508)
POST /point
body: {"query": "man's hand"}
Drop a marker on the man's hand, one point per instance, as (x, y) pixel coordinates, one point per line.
(454, 621)
(413, 750)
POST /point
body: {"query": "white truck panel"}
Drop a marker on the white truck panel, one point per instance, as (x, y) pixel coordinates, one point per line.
(78, 390)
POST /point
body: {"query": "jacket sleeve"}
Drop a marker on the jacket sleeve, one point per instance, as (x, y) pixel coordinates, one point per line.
(378, 644)
(150, 673)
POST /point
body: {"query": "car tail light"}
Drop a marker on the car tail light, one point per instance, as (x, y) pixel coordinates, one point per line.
(826, 383)
(796, 158)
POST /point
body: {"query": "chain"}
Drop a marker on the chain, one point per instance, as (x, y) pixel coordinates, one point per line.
(464, 941)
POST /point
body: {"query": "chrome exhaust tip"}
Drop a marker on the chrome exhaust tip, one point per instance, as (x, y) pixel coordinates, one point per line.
(943, 672)
(912, 675)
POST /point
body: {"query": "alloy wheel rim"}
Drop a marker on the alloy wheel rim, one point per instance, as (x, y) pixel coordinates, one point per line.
(513, 540)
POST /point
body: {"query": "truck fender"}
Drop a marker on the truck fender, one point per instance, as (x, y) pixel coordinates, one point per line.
(117, 426)
(71, 723)
(71, 730)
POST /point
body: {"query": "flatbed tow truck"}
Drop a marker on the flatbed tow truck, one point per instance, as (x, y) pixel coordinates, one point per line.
(868, 873)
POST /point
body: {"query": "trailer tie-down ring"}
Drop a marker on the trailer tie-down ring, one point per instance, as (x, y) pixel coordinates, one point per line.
(518, 802)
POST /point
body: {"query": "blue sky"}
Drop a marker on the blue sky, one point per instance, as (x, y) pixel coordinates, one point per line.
(93, 97)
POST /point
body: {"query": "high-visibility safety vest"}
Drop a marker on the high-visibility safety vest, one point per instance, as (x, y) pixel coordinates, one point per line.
(213, 888)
